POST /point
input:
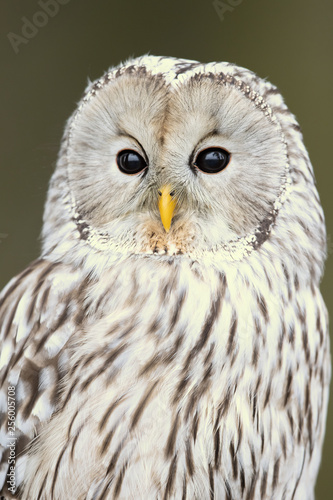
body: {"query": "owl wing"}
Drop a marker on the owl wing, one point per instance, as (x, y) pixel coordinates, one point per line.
(38, 314)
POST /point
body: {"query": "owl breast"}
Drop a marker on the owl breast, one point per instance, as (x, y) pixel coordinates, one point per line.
(185, 390)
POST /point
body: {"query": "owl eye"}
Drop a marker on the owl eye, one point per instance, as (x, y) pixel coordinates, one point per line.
(130, 162)
(212, 160)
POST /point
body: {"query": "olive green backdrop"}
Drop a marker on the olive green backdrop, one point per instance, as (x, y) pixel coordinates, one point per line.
(44, 73)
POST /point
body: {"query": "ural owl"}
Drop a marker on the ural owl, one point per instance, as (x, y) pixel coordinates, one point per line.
(171, 342)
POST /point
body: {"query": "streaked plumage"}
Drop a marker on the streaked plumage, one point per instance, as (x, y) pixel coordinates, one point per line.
(190, 363)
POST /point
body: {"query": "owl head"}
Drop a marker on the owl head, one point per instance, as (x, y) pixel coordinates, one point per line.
(174, 158)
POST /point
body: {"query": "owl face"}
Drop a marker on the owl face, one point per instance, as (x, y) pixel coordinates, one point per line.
(169, 165)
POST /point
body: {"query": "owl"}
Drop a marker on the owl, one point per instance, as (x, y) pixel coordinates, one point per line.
(171, 341)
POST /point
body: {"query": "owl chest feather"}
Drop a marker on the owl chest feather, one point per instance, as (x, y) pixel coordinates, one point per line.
(187, 386)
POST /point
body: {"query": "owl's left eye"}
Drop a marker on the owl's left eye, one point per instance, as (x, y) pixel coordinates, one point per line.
(212, 160)
(130, 162)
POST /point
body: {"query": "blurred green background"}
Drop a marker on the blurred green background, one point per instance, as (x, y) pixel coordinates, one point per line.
(42, 77)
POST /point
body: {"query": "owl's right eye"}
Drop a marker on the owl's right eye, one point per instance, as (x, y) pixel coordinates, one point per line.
(130, 162)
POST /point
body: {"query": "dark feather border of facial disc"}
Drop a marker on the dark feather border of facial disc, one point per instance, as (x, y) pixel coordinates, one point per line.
(232, 250)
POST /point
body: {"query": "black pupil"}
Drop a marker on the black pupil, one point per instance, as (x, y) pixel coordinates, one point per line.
(212, 160)
(130, 162)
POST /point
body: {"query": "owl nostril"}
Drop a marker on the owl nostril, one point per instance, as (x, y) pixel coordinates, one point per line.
(172, 193)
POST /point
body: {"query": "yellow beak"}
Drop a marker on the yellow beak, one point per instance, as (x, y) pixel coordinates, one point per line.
(166, 205)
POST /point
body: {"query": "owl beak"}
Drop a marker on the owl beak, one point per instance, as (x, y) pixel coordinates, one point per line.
(166, 205)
